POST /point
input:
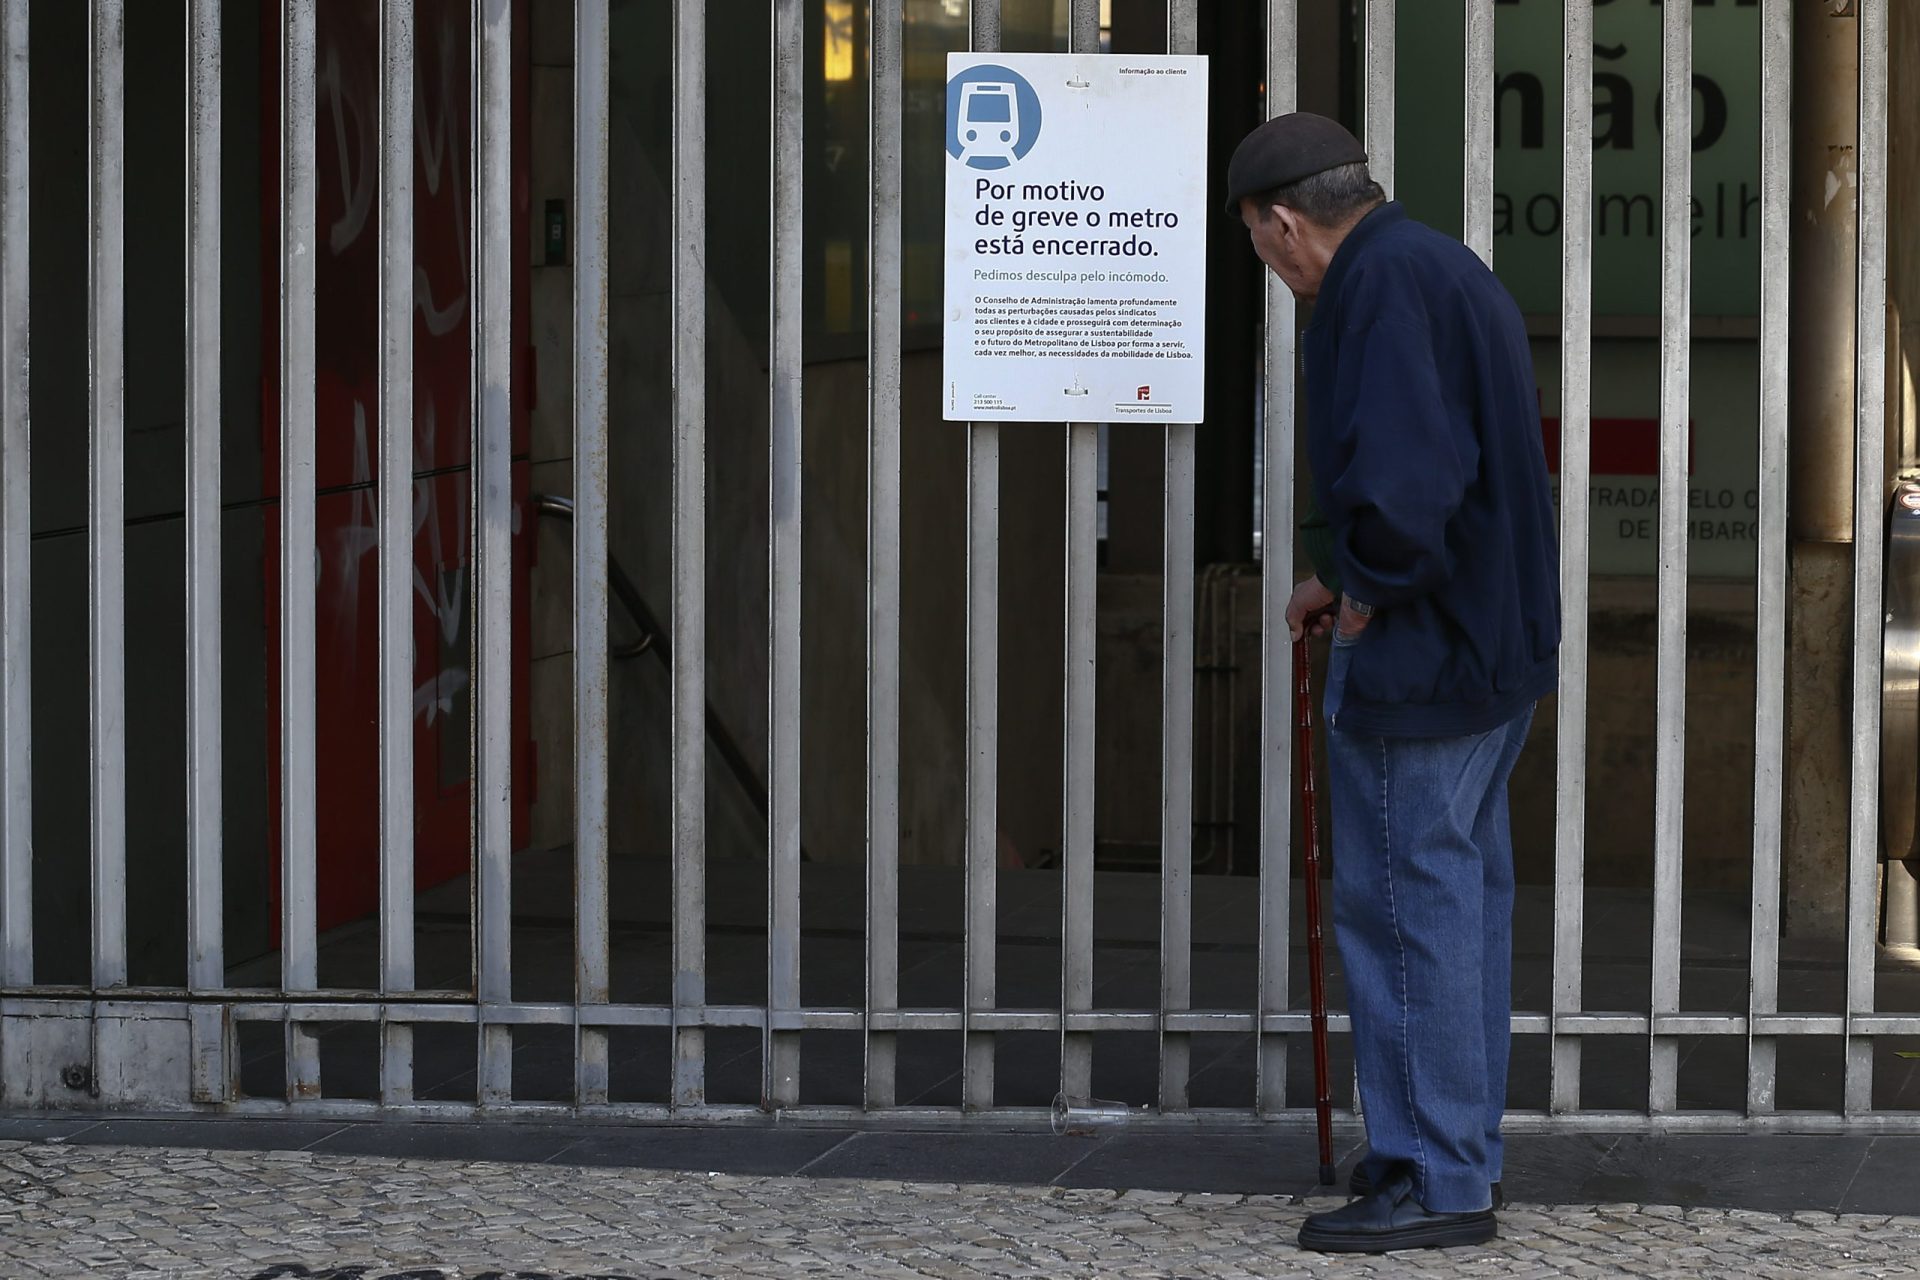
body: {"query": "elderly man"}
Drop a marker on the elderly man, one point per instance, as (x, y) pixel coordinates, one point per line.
(1435, 532)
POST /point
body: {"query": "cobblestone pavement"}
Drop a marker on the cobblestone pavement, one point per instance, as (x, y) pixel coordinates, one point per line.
(146, 1212)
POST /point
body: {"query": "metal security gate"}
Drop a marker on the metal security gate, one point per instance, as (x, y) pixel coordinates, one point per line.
(106, 1044)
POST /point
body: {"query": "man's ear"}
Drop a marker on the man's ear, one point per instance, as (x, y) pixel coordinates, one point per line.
(1289, 221)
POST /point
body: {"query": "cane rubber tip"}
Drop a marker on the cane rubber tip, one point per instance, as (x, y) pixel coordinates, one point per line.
(1326, 1175)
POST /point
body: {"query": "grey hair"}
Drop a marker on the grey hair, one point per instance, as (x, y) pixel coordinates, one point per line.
(1330, 198)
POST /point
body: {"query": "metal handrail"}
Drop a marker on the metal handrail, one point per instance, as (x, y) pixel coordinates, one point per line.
(652, 634)
(653, 639)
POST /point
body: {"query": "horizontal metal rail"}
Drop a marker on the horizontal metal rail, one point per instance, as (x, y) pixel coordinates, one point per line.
(459, 1008)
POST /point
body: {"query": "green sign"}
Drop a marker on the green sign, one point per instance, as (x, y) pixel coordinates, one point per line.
(1626, 139)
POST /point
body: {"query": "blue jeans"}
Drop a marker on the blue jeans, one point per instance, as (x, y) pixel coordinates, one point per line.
(1423, 912)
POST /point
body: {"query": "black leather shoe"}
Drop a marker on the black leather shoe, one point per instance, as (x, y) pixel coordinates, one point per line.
(1392, 1219)
(1360, 1185)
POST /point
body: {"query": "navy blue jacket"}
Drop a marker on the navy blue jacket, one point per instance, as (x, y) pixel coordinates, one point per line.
(1423, 434)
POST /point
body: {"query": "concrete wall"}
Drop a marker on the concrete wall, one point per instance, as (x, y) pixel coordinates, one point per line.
(834, 531)
(1129, 676)
(155, 491)
(1903, 254)
(1619, 827)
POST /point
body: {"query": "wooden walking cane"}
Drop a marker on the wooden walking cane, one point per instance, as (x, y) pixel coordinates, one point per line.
(1316, 962)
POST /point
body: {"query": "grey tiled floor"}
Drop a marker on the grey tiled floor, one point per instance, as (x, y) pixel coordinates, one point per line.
(1126, 914)
(1778, 1173)
(104, 1209)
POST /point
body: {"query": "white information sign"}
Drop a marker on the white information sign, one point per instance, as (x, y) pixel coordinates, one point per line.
(1075, 237)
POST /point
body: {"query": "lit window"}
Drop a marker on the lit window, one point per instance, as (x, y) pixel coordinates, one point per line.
(839, 40)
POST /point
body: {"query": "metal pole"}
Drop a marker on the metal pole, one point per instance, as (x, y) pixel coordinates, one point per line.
(1077, 788)
(1276, 653)
(1176, 717)
(106, 482)
(784, 558)
(492, 328)
(983, 706)
(884, 127)
(396, 537)
(1478, 196)
(206, 966)
(592, 62)
(299, 248)
(1769, 731)
(1869, 500)
(16, 516)
(1670, 715)
(1379, 76)
(689, 616)
(1576, 388)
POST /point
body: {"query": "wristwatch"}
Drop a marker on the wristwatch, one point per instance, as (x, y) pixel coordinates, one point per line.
(1364, 610)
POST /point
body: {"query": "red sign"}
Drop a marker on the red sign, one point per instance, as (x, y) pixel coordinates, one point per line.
(347, 434)
(1616, 446)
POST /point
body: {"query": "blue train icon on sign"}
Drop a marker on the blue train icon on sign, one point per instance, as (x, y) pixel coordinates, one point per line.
(993, 117)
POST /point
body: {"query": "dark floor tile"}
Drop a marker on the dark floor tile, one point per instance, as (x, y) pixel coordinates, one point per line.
(212, 1134)
(932, 973)
(1777, 1174)
(1888, 1180)
(734, 1066)
(1810, 1073)
(927, 1067)
(1896, 1073)
(1302, 1085)
(1126, 1067)
(1032, 1158)
(1224, 1071)
(1613, 1073)
(1026, 1068)
(1552, 1168)
(543, 1064)
(746, 1152)
(446, 1060)
(1239, 1164)
(1528, 1073)
(833, 1067)
(528, 1144)
(44, 1128)
(1713, 1073)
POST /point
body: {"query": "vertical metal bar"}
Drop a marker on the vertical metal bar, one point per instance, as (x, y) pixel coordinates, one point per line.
(983, 705)
(106, 497)
(884, 125)
(1077, 790)
(782, 1057)
(299, 969)
(689, 551)
(1576, 389)
(1176, 716)
(492, 322)
(396, 536)
(1378, 79)
(592, 120)
(1276, 647)
(205, 952)
(1869, 502)
(1670, 692)
(1478, 196)
(204, 961)
(16, 524)
(1769, 713)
